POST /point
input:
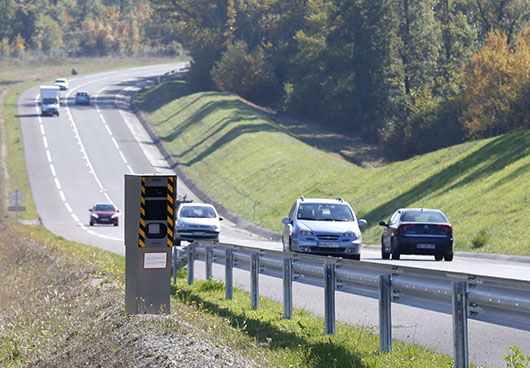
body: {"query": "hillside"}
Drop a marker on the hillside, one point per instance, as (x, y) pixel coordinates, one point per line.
(239, 155)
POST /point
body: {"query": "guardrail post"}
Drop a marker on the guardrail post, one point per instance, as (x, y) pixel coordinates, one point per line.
(329, 296)
(229, 274)
(191, 262)
(385, 315)
(209, 257)
(460, 347)
(254, 281)
(287, 288)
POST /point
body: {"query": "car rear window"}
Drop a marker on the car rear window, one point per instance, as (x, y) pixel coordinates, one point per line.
(423, 216)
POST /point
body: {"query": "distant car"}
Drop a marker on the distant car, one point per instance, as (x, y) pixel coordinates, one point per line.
(104, 213)
(197, 221)
(322, 226)
(421, 231)
(62, 83)
(82, 98)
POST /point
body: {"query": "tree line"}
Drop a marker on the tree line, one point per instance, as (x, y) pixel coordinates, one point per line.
(414, 75)
(83, 28)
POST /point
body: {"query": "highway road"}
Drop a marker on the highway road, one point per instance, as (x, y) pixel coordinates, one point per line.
(80, 158)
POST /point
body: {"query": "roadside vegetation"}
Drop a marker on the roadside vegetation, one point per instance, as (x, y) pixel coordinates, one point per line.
(243, 157)
(62, 305)
(412, 76)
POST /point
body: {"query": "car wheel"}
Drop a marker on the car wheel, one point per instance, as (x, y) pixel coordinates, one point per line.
(356, 257)
(385, 255)
(91, 223)
(438, 257)
(116, 223)
(393, 250)
(290, 246)
(448, 257)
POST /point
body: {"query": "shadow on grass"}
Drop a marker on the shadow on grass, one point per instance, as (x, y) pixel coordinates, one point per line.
(487, 160)
(318, 354)
(166, 92)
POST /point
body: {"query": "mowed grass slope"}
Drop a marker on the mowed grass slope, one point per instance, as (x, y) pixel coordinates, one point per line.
(240, 156)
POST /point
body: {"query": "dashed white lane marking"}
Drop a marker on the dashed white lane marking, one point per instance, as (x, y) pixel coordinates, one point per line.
(57, 183)
(82, 150)
(54, 173)
(110, 131)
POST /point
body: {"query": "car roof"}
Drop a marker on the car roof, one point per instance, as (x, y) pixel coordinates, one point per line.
(60, 80)
(322, 200)
(419, 209)
(194, 204)
(104, 204)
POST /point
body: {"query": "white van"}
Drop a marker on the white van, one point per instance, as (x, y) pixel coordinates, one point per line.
(49, 100)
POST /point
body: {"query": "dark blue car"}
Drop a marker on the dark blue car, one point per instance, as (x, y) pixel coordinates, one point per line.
(82, 98)
(421, 231)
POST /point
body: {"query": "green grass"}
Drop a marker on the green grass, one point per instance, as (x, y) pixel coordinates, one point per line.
(299, 342)
(240, 156)
(261, 335)
(16, 78)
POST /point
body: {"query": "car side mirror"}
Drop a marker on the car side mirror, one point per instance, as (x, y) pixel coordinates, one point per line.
(382, 223)
(363, 223)
(220, 218)
(90, 210)
(118, 210)
(286, 220)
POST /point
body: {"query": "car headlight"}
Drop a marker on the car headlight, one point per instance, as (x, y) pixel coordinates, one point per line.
(114, 216)
(350, 234)
(303, 232)
(94, 215)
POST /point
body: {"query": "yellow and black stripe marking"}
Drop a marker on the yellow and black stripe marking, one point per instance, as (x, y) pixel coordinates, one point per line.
(141, 235)
(170, 206)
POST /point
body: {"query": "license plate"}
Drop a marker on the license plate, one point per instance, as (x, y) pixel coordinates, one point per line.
(426, 246)
(325, 244)
(198, 233)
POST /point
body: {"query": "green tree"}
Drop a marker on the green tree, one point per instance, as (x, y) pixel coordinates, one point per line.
(244, 72)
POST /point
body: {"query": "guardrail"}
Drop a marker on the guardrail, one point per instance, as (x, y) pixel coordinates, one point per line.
(499, 301)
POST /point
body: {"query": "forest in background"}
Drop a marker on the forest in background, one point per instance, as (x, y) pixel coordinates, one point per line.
(411, 75)
(81, 28)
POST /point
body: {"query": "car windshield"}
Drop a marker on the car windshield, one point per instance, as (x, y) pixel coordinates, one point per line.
(324, 212)
(49, 101)
(60, 81)
(104, 207)
(198, 212)
(423, 216)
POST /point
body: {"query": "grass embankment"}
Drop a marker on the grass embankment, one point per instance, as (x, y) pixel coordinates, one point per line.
(61, 304)
(240, 155)
(16, 77)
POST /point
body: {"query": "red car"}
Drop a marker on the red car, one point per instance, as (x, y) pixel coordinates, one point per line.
(104, 213)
